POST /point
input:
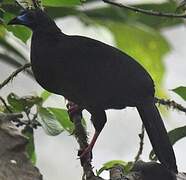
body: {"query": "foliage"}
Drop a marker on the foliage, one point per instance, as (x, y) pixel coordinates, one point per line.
(137, 34)
(126, 166)
(49, 122)
(53, 120)
(181, 91)
(177, 134)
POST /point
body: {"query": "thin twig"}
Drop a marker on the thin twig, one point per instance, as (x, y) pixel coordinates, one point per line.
(171, 104)
(15, 73)
(141, 136)
(144, 11)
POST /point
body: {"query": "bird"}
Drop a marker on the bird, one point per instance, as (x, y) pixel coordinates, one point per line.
(96, 77)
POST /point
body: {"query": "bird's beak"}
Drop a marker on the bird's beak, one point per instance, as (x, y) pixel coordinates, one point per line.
(18, 20)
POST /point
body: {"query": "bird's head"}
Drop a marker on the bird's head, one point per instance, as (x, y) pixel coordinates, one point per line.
(34, 19)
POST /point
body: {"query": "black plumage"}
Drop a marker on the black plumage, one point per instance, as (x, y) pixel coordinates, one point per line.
(152, 171)
(95, 76)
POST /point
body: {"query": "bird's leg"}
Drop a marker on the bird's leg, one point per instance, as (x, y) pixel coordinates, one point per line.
(98, 119)
(88, 149)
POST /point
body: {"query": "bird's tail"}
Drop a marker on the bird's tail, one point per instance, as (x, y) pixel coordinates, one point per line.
(158, 135)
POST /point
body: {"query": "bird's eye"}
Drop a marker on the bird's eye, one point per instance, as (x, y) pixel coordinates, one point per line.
(23, 12)
(31, 16)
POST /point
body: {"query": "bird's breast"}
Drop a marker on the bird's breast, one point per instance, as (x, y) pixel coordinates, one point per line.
(55, 78)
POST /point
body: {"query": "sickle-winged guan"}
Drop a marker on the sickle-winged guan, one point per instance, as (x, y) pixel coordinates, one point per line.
(95, 76)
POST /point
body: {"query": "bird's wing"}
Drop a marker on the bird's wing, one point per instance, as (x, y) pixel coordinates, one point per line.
(102, 70)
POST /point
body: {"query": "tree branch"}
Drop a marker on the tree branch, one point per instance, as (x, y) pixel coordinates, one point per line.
(81, 137)
(144, 11)
(171, 104)
(15, 73)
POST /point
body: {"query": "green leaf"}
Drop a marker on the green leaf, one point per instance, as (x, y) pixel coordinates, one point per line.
(63, 118)
(144, 44)
(15, 102)
(20, 32)
(58, 3)
(30, 101)
(45, 95)
(30, 148)
(23, 103)
(181, 91)
(177, 134)
(110, 164)
(49, 122)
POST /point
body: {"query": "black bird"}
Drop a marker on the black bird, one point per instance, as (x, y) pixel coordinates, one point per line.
(95, 76)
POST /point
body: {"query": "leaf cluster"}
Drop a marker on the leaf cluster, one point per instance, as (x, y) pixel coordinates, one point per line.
(53, 120)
